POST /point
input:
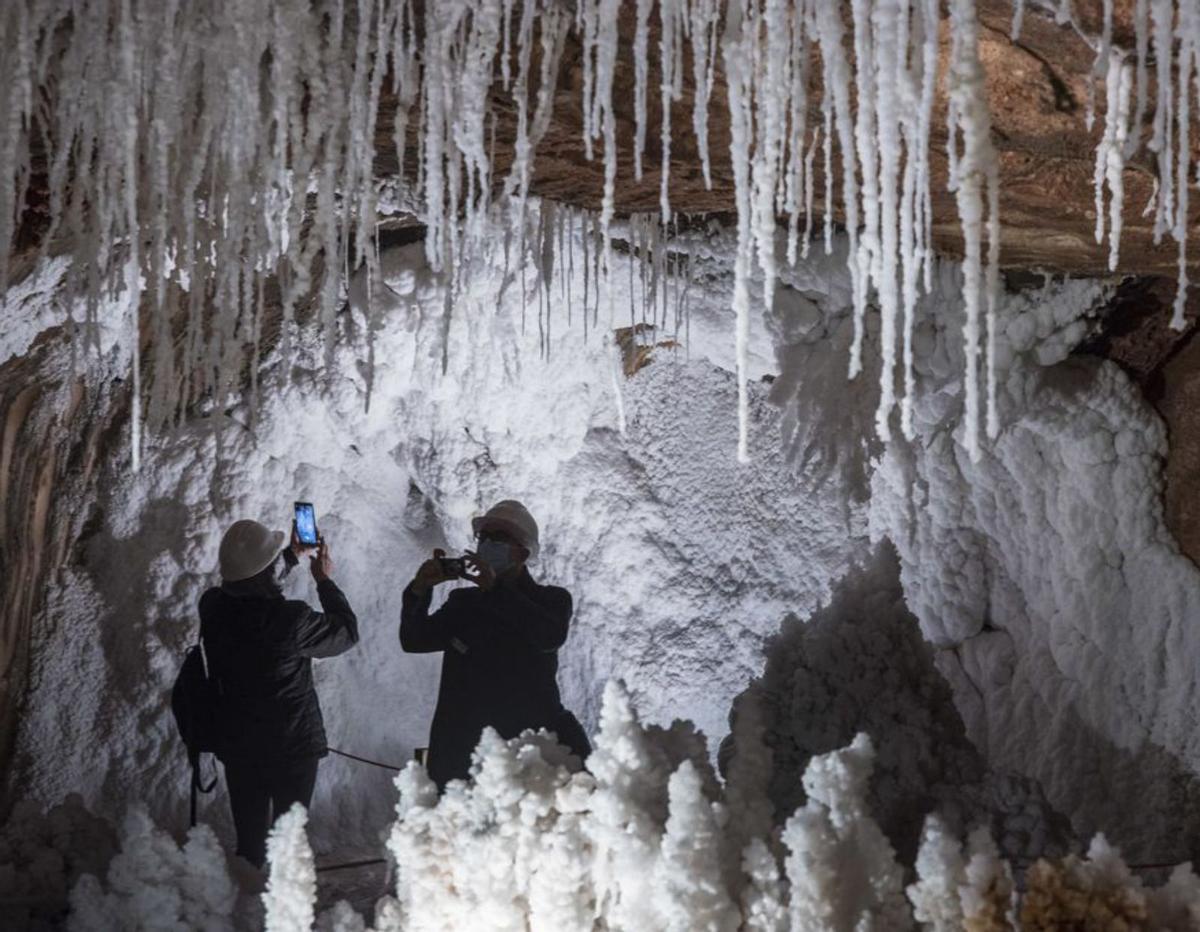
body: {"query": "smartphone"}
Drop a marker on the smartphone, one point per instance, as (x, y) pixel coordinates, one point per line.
(454, 567)
(306, 524)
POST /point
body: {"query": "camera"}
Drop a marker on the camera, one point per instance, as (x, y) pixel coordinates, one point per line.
(453, 567)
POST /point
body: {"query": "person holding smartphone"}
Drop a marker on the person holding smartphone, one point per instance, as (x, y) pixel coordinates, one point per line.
(499, 640)
(259, 646)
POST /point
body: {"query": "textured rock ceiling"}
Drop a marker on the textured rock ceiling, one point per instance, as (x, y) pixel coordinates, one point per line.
(1038, 91)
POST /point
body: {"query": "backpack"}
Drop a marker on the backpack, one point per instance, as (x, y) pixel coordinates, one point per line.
(195, 698)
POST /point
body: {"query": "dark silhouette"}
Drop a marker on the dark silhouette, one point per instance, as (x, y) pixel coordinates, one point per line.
(499, 641)
(259, 645)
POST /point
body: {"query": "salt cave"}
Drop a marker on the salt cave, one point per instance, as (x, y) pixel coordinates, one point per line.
(843, 352)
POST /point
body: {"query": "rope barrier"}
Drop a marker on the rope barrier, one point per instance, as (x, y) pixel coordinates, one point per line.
(350, 864)
(364, 760)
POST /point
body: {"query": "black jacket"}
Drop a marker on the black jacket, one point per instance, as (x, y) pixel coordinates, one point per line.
(499, 666)
(259, 648)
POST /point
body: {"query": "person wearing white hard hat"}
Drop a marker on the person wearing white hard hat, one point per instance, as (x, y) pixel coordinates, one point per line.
(259, 647)
(499, 640)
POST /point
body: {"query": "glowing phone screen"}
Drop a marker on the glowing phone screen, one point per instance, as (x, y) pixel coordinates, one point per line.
(306, 523)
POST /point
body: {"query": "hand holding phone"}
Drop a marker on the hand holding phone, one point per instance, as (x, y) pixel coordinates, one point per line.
(438, 569)
(321, 563)
(453, 567)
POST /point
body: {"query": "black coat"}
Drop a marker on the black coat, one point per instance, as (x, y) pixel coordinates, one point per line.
(499, 666)
(259, 648)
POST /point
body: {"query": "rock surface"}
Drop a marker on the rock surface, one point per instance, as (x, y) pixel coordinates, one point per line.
(1038, 90)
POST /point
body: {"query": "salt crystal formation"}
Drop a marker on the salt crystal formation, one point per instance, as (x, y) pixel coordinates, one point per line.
(646, 838)
(198, 157)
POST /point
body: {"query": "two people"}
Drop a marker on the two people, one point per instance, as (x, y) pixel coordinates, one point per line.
(500, 639)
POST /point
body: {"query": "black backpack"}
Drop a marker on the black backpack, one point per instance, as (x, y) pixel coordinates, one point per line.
(195, 698)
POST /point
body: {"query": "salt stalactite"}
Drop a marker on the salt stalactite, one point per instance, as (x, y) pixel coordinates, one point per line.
(838, 116)
(249, 158)
(1110, 154)
(1141, 30)
(1162, 14)
(1018, 18)
(974, 177)
(704, 17)
(1187, 69)
(797, 188)
(1169, 33)
(672, 20)
(771, 86)
(865, 256)
(738, 49)
(600, 56)
(641, 67)
(916, 248)
(891, 110)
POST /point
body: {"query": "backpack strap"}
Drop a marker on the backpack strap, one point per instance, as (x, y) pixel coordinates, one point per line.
(198, 785)
(197, 782)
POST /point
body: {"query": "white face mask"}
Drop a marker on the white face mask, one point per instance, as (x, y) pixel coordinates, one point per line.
(496, 554)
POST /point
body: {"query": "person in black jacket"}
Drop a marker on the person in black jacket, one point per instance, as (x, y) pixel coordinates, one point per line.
(499, 640)
(260, 646)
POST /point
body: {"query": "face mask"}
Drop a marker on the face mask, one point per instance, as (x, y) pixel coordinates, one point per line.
(496, 554)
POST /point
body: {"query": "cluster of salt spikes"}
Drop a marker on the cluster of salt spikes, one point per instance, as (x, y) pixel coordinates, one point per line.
(192, 150)
(884, 142)
(649, 838)
(1167, 33)
(646, 839)
(156, 883)
(212, 156)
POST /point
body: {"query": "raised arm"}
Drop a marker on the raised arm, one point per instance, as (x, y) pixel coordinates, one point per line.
(421, 632)
(329, 632)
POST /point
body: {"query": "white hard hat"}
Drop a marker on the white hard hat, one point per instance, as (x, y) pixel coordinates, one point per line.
(247, 549)
(513, 517)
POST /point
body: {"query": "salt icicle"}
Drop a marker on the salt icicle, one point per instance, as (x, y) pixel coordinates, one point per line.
(1141, 28)
(737, 45)
(1110, 154)
(671, 89)
(770, 91)
(1189, 36)
(797, 178)
(1014, 32)
(866, 256)
(915, 213)
(976, 176)
(836, 76)
(704, 17)
(1162, 14)
(641, 67)
(888, 56)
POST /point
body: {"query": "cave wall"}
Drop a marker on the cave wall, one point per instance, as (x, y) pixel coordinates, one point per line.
(681, 561)
(62, 413)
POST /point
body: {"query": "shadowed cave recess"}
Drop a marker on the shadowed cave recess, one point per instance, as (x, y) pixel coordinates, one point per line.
(842, 352)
